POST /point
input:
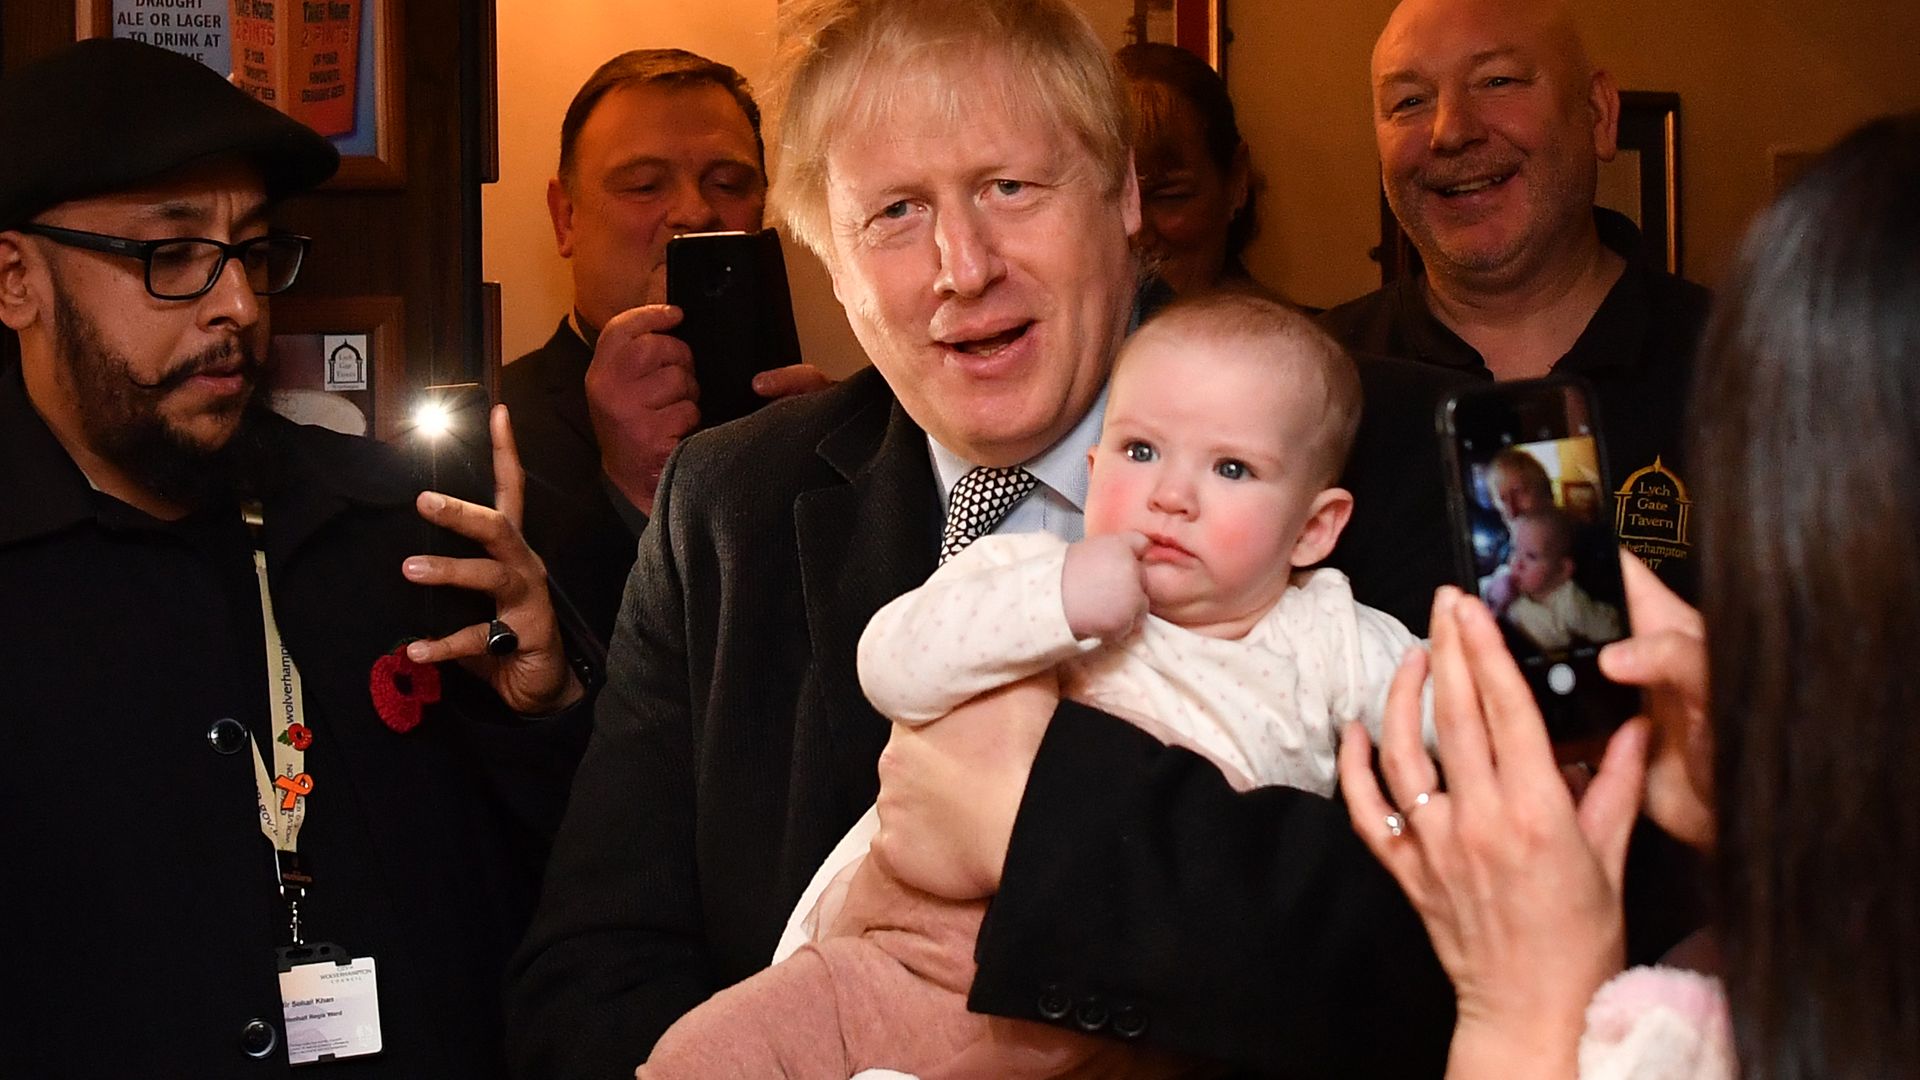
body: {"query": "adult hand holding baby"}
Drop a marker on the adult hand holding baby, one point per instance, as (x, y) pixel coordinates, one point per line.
(1101, 586)
(949, 791)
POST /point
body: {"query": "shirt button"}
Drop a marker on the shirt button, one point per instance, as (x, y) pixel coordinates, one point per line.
(227, 736)
(258, 1038)
(1054, 1003)
(1091, 1015)
(1129, 1022)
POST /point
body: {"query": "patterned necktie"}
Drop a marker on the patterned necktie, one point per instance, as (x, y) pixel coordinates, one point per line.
(977, 503)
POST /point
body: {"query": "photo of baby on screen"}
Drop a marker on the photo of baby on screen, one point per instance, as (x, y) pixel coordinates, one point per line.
(1535, 534)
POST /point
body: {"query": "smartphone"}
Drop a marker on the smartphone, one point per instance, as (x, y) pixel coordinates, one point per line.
(446, 437)
(732, 287)
(446, 434)
(1533, 529)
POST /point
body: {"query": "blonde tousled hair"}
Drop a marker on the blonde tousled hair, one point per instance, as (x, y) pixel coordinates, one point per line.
(841, 64)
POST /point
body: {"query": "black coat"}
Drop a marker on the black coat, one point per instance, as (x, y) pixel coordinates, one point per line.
(733, 747)
(570, 517)
(140, 895)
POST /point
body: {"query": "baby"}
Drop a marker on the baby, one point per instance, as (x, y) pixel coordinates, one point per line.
(1186, 611)
(1548, 606)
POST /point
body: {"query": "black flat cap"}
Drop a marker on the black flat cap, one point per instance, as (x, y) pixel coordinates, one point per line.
(107, 114)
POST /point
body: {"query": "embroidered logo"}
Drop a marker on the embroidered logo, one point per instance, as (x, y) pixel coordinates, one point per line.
(1653, 514)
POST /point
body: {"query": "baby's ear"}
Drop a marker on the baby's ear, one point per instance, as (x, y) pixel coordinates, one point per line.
(1326, 517)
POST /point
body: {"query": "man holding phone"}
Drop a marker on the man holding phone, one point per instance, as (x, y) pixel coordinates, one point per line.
(211, 632)
(656, 143)
(1492, 122)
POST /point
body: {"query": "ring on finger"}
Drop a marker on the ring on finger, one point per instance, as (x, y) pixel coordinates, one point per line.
(1400, 822)
(501, 639)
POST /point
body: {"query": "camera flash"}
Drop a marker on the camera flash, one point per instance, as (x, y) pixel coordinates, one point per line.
(431, 419)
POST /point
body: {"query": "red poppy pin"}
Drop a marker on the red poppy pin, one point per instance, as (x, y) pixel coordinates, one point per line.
(298, 736)
(403, 688)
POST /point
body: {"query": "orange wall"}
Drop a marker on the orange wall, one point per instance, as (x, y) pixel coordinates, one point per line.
(1752, 75)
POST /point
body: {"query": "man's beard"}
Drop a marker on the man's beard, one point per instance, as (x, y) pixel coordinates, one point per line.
(121, 421)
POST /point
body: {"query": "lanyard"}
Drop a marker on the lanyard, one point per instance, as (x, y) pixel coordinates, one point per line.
(281, 793)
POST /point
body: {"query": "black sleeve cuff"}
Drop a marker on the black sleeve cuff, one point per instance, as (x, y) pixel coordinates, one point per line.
(1143, 897)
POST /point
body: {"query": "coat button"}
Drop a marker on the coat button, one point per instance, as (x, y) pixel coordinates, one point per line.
(1054, 1003)
(258, 1038)
(1129, 1022)
(1091, 1015)
(227, 736)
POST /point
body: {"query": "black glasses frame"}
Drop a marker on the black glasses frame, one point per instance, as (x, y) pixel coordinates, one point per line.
(144, 249)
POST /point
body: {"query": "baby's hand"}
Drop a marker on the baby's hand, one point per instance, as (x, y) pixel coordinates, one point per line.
(1101, 587)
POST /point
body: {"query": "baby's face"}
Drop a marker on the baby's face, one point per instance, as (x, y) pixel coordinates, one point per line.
(1537, 568)
(1212, 457)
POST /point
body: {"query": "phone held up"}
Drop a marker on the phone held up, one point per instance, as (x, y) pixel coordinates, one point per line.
(1534, 537)
(738, 315)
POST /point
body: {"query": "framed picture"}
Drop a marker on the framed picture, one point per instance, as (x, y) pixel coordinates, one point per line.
(1198, 26)
(1641, 182)
(333, 357)
(334, 65)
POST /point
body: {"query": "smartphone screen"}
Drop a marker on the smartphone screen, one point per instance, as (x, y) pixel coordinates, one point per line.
(737, 315)
(1534, 538)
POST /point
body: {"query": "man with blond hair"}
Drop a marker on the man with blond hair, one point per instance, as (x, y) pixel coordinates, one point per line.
(962, 170)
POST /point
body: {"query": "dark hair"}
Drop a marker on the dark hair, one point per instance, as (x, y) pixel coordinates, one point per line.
(670, 67)
(1808, 404)
(1156, 74)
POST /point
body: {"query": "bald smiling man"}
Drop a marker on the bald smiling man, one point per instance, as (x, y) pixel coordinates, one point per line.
(1492, 122)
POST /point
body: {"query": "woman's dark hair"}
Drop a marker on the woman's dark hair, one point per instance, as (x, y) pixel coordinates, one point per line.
(1808, 464)
(1159, 74)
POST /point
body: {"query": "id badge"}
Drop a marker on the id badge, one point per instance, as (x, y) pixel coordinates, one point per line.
(331, 1003)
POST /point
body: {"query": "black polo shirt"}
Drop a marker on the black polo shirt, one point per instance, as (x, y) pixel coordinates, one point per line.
(1637, 352)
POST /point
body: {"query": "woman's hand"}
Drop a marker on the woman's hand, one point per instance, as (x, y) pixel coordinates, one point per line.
(1667, 658)
(1519, 888)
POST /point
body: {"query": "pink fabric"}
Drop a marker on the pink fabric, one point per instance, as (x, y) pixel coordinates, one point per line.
(885, 990)
(1658, 1023)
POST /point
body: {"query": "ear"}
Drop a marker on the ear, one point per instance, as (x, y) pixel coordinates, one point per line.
(1567, 567)
(1326, 517)
(1239, 178)
(1604, 98)
(1130, 199)
(19, 299)
(560, 209)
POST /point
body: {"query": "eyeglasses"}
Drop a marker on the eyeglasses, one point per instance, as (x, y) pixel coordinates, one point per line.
(182, 268)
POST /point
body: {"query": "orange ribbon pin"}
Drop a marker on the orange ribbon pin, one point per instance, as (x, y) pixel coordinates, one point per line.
(296, 787)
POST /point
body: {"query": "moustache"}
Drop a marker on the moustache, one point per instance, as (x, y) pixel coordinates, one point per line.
(249, 364)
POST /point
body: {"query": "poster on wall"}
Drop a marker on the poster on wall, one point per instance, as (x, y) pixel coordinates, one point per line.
(326, 63)
(196, 28)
